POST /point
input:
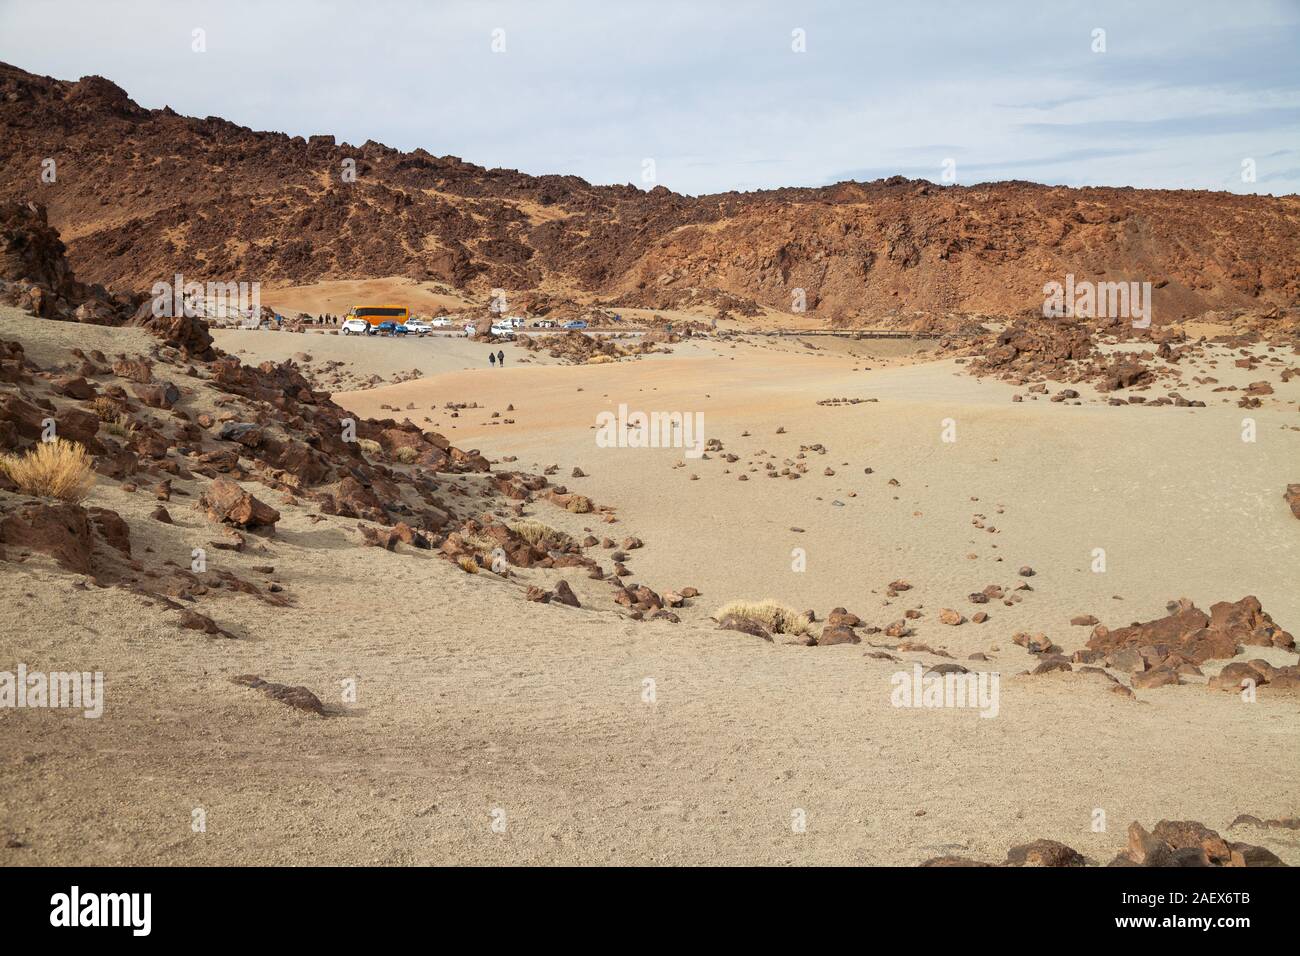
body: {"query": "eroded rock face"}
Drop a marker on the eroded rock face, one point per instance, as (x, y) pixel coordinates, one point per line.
(60, 529)
(31, 251)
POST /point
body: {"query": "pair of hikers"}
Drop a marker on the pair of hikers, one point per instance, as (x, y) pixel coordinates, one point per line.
(498, 357)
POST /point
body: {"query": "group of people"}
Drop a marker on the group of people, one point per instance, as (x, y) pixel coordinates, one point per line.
(499, 357)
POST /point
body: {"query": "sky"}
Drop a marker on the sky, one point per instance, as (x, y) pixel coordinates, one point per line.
(713, 95)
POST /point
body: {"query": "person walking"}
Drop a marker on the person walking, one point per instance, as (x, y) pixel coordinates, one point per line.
(501, 358)
(492, 359)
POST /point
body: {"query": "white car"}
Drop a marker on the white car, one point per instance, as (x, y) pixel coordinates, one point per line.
(503, 330)
(441, 322)
(354, 327)
(418, 327)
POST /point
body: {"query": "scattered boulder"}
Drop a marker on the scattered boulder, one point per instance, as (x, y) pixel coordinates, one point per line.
(299, 697)
(227, 503)
(1292, 498)
(733, 622)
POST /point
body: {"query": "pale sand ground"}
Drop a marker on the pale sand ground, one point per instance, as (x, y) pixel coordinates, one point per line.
(369, 354)
(472, 700)
(337, 296)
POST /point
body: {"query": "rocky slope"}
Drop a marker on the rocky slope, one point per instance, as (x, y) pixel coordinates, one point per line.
(142, 194)
(174, 416)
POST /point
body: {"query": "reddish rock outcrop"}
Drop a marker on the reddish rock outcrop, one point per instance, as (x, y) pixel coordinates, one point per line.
(1189, 634)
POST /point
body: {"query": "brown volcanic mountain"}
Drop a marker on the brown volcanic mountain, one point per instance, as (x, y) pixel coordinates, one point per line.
(143, 194)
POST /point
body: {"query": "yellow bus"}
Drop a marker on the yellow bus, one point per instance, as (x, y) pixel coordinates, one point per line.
(378, 314)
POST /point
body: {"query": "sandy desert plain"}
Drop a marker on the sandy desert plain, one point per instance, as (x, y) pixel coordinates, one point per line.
(464, 723)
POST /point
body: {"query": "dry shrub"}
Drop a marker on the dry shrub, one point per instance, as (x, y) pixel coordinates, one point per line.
(105, 408)
(540, 535)
(58, 469)
(599, 359)
(370, 447)
(579, 505)
(776, 617)
(479, 542)
(407, 454)
(122, 426)
(467, 564)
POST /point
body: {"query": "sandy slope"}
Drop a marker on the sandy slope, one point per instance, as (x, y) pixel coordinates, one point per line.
(471, 700)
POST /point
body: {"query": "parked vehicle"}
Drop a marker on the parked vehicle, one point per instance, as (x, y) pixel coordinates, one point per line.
(390, 328)
(503, 330)
(379, 314)
(469, 328)
(576, 324)
(418, 327)
(441, 322)
(355, 327)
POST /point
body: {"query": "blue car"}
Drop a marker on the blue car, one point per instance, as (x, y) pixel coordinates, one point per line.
(389, 328)
(575, 324)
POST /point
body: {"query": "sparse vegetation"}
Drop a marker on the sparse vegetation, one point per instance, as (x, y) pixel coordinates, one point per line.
(407, 454)
(776, 617)
(58, 469)
(540, 535)
(479, 542)
(467, 564)
(121, 426)
(371, 447)
(106, 408)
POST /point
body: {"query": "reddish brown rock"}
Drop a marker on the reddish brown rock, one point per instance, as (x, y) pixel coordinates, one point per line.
(299, 697)
(837, 634)
(1292, 498)
(162, 395)
(563, 594)
(743, 624)
(227, 503)
(112, 528)
(1246, 623)
(1234, 676)
(1193, 635)
(1044, 853)
(1156, 677)
(60, 529)
(194, 621)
